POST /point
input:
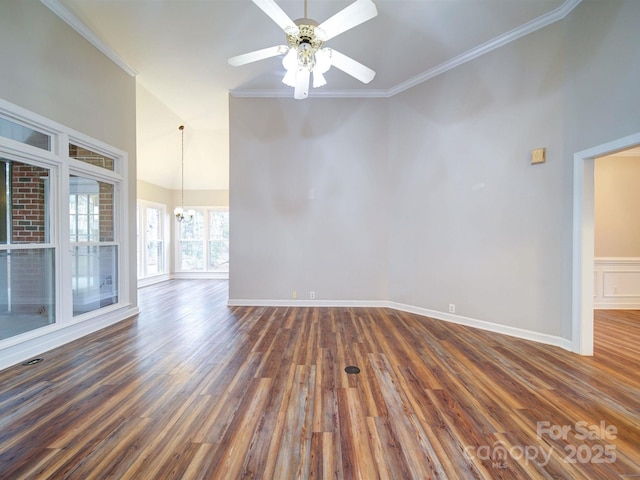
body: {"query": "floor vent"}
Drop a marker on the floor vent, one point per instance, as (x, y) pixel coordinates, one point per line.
(33, 361)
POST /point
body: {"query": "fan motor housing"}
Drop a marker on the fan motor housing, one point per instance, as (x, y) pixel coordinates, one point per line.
(306, 34)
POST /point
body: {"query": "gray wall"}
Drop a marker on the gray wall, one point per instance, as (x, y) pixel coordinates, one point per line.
(468, 221)
(480, 228)
(49, 69)
(602, 71)
(307, 198)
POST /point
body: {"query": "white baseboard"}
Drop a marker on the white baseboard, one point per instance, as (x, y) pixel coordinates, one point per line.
(484, 325)
(447, 317)
(305, 303)
(145, 282)
(617, 306)
(201, 275)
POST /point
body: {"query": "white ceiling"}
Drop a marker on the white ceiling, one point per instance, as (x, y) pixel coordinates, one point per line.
(179, 49)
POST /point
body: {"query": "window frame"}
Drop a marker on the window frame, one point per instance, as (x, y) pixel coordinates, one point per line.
(206, 272)
(209, 238)
(61, 166)
(115, 178)
(141, 241)
(42, 161)
(94, 243)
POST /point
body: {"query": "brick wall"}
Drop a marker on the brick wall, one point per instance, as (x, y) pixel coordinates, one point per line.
(106, 190)
(93, 158)
(28, 203)
(31, 270)
(106, 212)
(108, 254)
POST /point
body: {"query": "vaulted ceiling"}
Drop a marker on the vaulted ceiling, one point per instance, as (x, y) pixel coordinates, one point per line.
(178, 50)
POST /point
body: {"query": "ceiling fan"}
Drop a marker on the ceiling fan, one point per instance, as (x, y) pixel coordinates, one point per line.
(303, 53)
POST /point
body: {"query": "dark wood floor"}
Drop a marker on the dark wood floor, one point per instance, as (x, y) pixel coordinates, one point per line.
(194, 389)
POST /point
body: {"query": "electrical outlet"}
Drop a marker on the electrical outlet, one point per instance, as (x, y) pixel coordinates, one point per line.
(312, 295)
(452, 308)
(294, 294)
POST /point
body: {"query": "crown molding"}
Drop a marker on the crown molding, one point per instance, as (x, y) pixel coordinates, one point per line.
(497, 42)
(547, 19)
(544, 20)
(74, 22)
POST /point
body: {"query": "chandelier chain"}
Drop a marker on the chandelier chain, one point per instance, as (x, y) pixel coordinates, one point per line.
(179, 211)
(182, 167)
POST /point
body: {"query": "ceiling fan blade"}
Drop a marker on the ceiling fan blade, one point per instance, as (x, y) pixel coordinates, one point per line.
(302, 84)
(349, 66)
(358, 12)
(271, 8)
(257, 55)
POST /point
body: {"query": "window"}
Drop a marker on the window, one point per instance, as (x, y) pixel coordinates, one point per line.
(219, 240)
(94, 252)
(203, 242)
(27, 300)
(62, 214)
(154, 247)
(151, 243)
(92, 158)
(23, 134)
(84, 212)
(191, 245)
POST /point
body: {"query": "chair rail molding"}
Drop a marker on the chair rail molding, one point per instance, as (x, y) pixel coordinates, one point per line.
(616, 282)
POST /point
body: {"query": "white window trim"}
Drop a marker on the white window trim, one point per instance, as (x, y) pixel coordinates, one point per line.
(178, 273)
(64, 329)
(146, 279)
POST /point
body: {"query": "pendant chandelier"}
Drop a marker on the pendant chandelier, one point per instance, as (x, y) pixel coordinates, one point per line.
(179, 211)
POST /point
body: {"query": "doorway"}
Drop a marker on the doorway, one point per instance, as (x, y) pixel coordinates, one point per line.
(583, 240)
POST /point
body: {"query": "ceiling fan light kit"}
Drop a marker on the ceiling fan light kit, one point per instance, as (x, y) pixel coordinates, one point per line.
(303, 54)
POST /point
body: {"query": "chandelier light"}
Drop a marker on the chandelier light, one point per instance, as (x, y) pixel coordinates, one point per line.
(179, 211)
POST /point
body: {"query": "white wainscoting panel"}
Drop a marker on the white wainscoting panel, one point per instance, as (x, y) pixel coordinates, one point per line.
(617, 283)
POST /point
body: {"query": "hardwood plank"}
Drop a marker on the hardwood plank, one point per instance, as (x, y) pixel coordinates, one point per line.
(354, 434)
(231, 465)
(194, 389)
(421, 462)
(293, 443)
